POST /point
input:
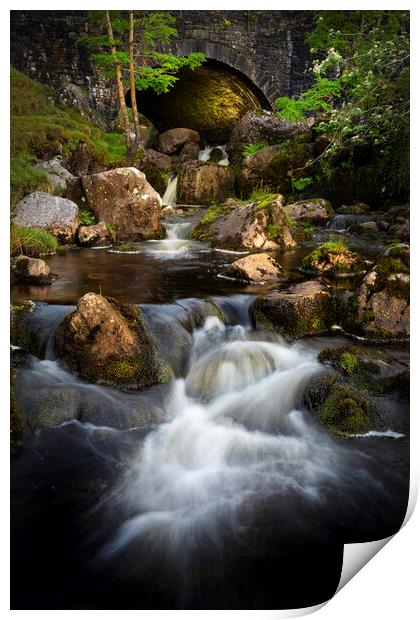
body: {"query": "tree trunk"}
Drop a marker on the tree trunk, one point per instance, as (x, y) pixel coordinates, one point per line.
(137, 142)
(120, 85)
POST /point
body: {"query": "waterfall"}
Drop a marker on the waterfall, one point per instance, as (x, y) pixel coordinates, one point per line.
(204, 154)
(169, 197)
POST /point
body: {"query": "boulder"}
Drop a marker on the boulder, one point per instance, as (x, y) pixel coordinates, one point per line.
(360, 208)
(31, 270)
(304, 309)
(57, 174)
(276, 165)
(265, 127)
(124, 198)
(84, 160)
(255, 268)
(313, 211)
(400, 230)
(172, 140)
(333, 258)
(107, 342)
(258, 226)
(73, 96)
(96, 235)
(189, 151)
(383, 298)
(162, 161)
(341, 408)
(56, 215)
(202, 182)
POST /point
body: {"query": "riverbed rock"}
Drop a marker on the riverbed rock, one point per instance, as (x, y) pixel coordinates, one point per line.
(258, 226)
(311, 211)
(383, 298)
(32, 270)
(189, 151)
(202, 182)
(56, 215)
(360, 208)
(124, 198)
(400, 229)
(333, 259)
(304, 309)
(107, 342)
(266, 127)
(73, 96)
(58, 175)
(172, 140)
(96, 235)
(162, 161)
(341, 408)
(275, 166)
(255, 268)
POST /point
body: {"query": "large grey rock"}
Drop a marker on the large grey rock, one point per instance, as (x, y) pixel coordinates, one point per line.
(124, 198)
(73, 96)
(162, 161)
(202, 182)
(58, 216)
(172, 140)
(57, 174)
(312, 210)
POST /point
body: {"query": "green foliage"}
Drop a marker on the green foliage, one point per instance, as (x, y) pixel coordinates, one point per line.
(361, 86)
(260, 193)
(212, 214)
(31, 241)
(348, 362)
(300, 184)
(86, 217)
(111, 229)
(225, 23)
(35, 122)
(251, 149)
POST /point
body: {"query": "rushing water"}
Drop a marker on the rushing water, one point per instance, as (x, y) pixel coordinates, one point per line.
(205, 153)
(169, 197)
(216, 491)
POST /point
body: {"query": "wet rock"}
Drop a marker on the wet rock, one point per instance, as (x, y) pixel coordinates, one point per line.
(383, 298)
(162, 161)
(32, 270)
(49, 407)
(58, 176)
(189, 151)
(172, 140)
(333, 258)
(124, 198)
(73, 96)
(96, 235)
(32, 325)
(265, 127)
(107, 342)
(58, 216)
(304, 309)
(216, 155)
(255, 268)
(262, 225)
(202, 182)
(360, 208)
(340, 407)
(274, 166)
(197, 311)
(400, 230)
(312, 211)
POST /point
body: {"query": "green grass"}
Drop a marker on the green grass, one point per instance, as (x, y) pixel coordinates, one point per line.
(36, 122)
(251, 149)
(31, 241)
(212, 214)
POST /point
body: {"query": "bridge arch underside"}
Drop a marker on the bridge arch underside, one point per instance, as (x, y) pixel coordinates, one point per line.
(210, 99)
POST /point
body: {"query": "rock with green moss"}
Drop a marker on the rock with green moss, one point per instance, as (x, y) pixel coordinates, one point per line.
(333, 258)
(312, 211)
(107, 342)
(202, 182)
(197, 311)
(277, 165)
(258, 226)
(382, 301)
(340, 407)
(304, 309)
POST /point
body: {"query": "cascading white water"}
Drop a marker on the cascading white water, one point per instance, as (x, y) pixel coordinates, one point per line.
(234, 436)
(204, 154)
(170, 195)
(176, 244)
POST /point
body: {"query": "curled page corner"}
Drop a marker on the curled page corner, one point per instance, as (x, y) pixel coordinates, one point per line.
(356, 556)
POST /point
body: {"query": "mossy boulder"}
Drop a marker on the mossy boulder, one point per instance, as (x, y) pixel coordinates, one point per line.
(304, 309)
(203, 182)
(382, 301)
(257, 226)
(340, 407)
(107, 342)
(276, 165)
(333, 258)
(197, 311)
(316, 211)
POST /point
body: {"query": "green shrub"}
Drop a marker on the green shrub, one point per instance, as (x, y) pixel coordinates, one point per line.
(86, 217)
(31, 241)
(251, 149)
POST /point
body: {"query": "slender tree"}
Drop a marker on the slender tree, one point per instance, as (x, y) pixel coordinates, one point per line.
(125, 48)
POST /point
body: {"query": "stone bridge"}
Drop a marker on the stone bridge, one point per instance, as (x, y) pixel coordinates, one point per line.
(253, 57)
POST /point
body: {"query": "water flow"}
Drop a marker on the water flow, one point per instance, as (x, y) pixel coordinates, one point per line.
(344, 221)
(204, 154)
(234, 438)
(169, 197)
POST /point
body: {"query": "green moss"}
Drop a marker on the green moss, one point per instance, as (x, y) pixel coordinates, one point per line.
(31, 241)
(87, 217)
(265, 202)
(389, 265)
(348, 362)
(326, 251)
(346, 411)
(35, 122)
(111, 229)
